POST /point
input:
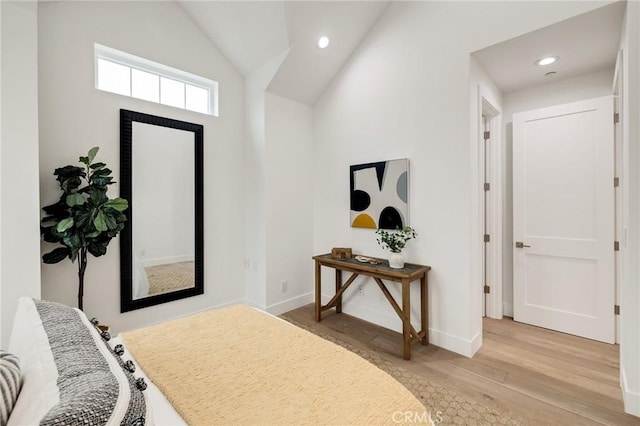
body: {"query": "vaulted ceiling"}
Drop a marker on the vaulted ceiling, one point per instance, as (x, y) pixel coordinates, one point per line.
(251, 33)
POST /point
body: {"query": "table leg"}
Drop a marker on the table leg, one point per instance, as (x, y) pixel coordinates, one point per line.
(424, 311)
(406, 320)
(338, 286)
(318, 293)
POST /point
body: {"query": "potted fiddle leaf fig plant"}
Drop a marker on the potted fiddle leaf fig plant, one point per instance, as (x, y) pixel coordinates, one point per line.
(394, 241)
(84, 219)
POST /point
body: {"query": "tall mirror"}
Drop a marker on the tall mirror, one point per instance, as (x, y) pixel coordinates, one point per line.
(161, 250)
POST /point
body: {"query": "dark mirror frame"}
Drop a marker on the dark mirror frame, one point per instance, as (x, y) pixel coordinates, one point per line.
(127, 118)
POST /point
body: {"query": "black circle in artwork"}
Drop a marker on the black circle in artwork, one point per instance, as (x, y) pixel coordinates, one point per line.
(390, 218)
(360, 200)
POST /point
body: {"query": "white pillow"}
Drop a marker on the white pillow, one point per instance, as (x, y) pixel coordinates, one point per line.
(30, 344)
(71, 375)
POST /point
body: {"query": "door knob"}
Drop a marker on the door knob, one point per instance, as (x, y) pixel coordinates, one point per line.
(520, 244)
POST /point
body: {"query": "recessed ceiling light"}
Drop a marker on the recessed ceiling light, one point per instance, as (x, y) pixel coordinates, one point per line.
(546, 60)
(323, 42)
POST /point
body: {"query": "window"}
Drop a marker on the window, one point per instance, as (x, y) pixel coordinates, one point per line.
(128, 75)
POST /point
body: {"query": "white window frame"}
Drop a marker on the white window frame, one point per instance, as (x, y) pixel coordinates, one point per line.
(135, 62)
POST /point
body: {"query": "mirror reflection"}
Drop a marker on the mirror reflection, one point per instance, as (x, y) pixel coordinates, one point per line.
(161, 250)
(163, 217)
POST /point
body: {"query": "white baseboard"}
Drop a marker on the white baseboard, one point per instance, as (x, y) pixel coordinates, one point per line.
(225, 304)
(392, 322)
(476, 343)
(166, 260)
(254, 304)
(290, 304)
(465, 347)
(631, 399)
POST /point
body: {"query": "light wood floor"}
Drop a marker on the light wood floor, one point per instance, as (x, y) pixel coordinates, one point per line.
(535, 373)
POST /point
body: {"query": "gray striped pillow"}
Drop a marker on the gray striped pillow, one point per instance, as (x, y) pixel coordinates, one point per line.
(9, 384)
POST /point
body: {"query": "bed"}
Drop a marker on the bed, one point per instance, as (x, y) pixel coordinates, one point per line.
(234, 365)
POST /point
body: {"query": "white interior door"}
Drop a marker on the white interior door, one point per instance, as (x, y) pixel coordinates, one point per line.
(563, 214)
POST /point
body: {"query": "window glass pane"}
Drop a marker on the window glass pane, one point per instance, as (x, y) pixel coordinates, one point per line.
(145, 85)
(129, 75)
(197, 99)
(171, 92)
(113, 77)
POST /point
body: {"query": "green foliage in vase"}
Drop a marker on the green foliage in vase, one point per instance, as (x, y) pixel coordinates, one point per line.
(84, 219)
(394, 241)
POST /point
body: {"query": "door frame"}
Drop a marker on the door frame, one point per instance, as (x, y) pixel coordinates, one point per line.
(489, 255)
(617, 91)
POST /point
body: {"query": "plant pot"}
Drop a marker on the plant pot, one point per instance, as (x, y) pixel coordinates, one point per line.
(396, 260)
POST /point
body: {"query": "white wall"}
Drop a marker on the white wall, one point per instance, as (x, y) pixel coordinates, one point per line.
(405, 93)
(278, 196)
(19, 226)
(289, 204)
(630, 185)
(74, 116)
(591, 85)
(255, 222)
(163, 193)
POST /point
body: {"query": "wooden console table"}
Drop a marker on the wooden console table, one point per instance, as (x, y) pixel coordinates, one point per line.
(382, 271)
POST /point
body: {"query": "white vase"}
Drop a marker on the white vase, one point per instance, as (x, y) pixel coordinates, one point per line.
(396, 260)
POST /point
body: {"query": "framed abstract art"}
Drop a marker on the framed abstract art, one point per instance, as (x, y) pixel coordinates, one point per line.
(379, 194)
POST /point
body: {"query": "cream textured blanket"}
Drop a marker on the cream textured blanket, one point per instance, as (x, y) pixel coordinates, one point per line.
(240, 366)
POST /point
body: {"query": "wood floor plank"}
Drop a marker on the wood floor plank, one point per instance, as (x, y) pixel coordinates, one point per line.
(540, 375)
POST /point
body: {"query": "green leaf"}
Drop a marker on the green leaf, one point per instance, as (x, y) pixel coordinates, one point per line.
(97, 166)
(84, 160)
(92, 154)
(75, 199)
(73, 241)
(99, 222)
(48, 235)
(69, 171)
(97, 196)
(58, 209)
(52, 220)
(102, 180)
(56, 255)
(98, 249)
(110, 221)
(102, 172)
(93, 234)
(70, 184)
(119, 204)
(82, 218)
(64, 224)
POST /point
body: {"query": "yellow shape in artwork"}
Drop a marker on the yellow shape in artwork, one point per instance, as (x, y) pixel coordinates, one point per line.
(364, 221)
